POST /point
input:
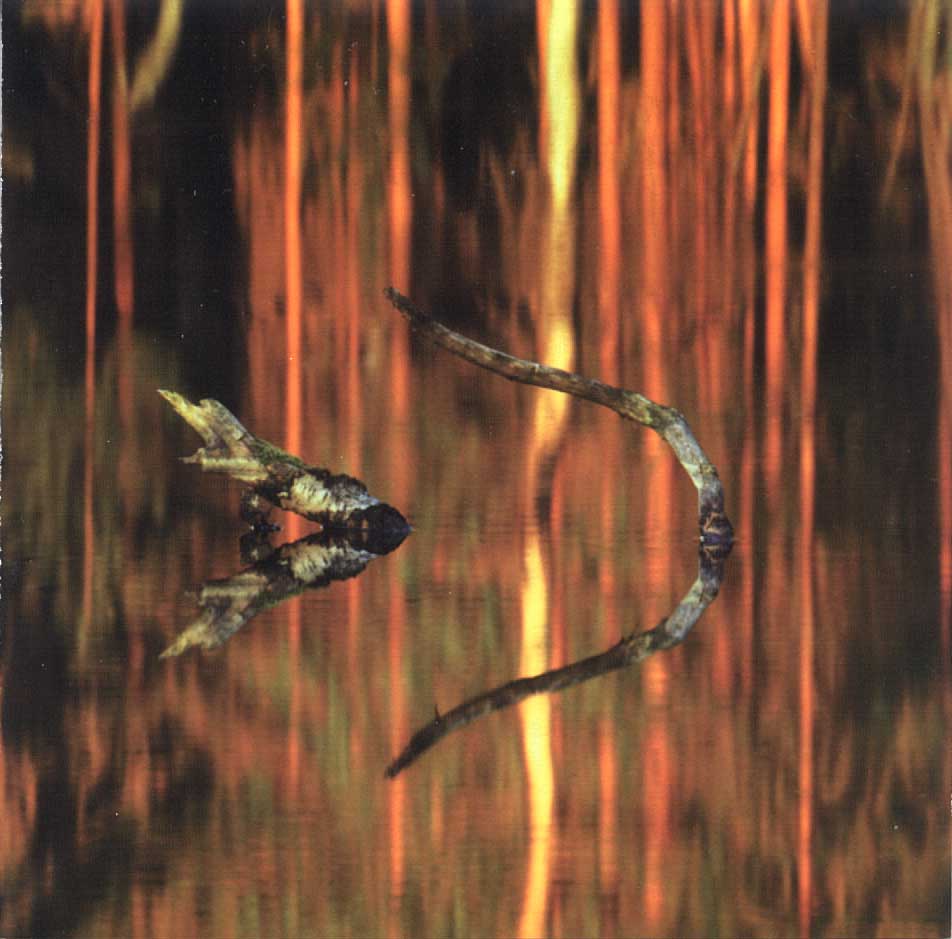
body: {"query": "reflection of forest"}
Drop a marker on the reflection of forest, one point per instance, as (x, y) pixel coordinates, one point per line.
(104, 746)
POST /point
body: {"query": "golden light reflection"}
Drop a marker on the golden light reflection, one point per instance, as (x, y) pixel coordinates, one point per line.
(535, 716)
(556, 346)
(561, 101)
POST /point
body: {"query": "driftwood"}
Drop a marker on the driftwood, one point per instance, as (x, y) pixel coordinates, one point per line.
(628, 651)
(335, 501)
(308, 564)
(669, 423)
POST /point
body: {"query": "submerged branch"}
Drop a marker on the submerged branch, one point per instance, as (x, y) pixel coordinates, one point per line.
(336, 501)
(628, 651)
(715, 527)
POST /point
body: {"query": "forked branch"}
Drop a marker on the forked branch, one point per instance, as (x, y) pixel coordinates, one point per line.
(336, 501)
(715, 528)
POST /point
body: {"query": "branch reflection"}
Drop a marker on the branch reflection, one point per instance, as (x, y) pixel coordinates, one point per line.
(630, 650)
(276, 575)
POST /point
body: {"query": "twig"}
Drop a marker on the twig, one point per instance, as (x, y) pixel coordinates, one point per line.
(669, 423)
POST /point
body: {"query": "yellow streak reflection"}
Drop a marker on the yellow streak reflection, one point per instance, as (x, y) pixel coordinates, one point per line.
(562, 98)
(536, 717)
(559, 105)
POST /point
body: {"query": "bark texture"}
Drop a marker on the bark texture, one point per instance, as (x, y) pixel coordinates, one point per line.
(336, 501)
(669, 423)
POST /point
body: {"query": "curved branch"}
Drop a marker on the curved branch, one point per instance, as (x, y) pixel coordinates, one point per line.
(669, 423)
(628, 651)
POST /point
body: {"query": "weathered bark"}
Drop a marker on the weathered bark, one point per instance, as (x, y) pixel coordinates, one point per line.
(335, 501)
(308, 564)
(628, 651)
(715, 528)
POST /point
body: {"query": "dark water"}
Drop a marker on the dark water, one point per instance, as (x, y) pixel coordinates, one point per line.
(616, 204)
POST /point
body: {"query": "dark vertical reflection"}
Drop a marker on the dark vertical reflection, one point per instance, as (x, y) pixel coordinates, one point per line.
(92, 274)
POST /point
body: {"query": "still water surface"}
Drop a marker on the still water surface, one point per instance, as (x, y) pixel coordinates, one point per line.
(613, 204)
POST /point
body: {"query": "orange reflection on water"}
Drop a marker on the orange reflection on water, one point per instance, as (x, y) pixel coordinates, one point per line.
(399, 188)
(400, 220)
(657, 781)
(749, 41)
(776, 224)
(121, 165)
(292, 223)
(653, 304)
(293, 314)
(609, 194)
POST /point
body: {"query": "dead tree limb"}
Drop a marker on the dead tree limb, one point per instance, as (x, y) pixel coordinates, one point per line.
(669, 423)
(336, 501)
